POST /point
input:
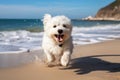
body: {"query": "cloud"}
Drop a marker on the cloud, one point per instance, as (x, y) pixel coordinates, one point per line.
(28, 11)
(19, 11)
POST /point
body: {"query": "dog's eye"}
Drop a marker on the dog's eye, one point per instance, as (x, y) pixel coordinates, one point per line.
(64, 26)
(54, 26)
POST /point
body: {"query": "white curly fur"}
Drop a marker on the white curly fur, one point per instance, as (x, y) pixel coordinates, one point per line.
(51, 44)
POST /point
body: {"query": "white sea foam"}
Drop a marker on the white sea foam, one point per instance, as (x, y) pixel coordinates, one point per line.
(15, 40)
(18, 40)
(95, 34)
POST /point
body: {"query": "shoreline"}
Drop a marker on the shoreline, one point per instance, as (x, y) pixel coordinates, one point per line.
(16, 58)
(98, 61)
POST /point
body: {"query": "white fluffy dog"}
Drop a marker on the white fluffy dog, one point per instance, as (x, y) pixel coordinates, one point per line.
(57, 40)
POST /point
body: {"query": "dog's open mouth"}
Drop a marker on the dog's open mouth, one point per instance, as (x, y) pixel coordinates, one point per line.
(59, 37)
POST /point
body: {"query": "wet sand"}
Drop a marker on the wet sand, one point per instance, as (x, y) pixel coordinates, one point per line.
(99, 61)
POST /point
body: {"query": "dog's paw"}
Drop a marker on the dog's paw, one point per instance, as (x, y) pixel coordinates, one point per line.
(50, 65)
(64, 62)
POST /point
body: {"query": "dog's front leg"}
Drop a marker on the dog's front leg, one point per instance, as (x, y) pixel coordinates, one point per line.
(65, 58)
(49, 56)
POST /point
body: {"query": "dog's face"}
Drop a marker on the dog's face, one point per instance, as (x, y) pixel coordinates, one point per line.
(58, 28)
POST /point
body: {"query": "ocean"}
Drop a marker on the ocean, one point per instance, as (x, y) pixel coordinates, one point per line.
(26, 34)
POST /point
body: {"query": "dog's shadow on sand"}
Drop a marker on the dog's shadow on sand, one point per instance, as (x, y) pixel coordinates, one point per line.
(88, 64)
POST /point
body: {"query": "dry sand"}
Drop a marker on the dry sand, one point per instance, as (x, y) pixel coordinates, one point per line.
(89, 62)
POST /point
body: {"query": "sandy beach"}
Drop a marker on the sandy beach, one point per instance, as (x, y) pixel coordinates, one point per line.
(99, 61)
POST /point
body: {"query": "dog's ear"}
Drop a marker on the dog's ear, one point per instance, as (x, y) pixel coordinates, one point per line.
(46, 18)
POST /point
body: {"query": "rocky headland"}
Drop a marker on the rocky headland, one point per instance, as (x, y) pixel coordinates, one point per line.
(109, 12)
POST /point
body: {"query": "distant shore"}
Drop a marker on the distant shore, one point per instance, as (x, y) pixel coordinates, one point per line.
(100, 19)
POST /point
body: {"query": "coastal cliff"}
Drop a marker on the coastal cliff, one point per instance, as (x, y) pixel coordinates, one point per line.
(109, 12)
(112, 11)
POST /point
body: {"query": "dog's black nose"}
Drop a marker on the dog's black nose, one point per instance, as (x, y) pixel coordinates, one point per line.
(60, 31)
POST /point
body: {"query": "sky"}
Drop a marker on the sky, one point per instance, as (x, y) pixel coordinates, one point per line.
(35, 9)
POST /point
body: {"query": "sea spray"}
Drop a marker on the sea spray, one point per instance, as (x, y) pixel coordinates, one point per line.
(84, 32)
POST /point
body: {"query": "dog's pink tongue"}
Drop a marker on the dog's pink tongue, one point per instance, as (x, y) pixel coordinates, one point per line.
(60, 39)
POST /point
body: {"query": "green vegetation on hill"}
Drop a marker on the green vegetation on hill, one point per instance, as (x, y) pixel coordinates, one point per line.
(115, 3)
